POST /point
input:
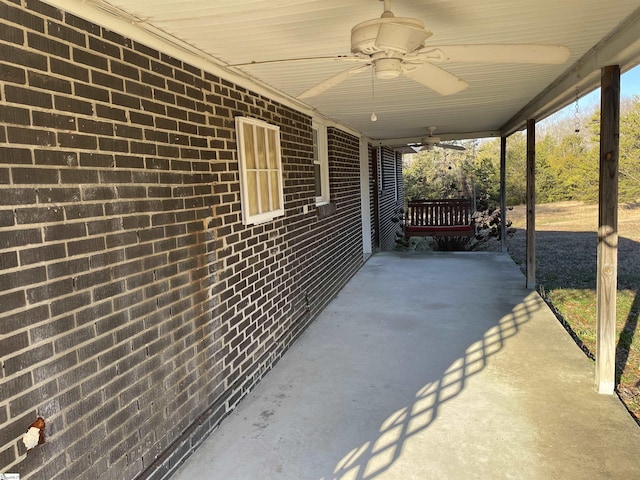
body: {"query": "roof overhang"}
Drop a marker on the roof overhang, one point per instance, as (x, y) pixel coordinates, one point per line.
(620, 47)
(216, 35)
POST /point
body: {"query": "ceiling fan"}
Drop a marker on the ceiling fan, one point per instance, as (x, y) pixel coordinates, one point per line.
(394, 46)
(430, 141)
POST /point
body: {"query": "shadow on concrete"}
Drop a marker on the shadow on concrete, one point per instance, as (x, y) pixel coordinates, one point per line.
(376, 455)
(426, 366)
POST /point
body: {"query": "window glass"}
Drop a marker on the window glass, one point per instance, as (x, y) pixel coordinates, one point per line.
(320, 163)
(249, 147)
(317, 171)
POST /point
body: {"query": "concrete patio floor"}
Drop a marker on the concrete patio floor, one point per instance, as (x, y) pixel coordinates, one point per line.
(432, 366)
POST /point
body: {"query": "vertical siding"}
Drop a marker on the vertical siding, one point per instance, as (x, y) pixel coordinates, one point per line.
(136, 308)
(373, 196)
(399, 179)
(390, 196)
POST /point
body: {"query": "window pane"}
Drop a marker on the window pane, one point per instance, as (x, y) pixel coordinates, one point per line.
(252, 193)
(262, 150)
(264, 191)
(249, 146)
(273, 159)
(275, 191)
(316, 154)
(318, 179)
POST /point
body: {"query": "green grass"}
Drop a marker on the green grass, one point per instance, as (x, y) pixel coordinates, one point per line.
(577, 307)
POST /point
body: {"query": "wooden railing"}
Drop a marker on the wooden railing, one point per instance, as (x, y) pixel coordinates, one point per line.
(439, 218)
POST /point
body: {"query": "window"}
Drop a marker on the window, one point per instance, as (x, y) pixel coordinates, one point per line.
(261, 188)
(320, 163)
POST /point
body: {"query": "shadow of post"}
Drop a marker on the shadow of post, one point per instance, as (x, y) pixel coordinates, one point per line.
(625, 339)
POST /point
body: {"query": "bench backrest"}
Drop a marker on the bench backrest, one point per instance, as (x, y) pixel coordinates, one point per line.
(439, 213)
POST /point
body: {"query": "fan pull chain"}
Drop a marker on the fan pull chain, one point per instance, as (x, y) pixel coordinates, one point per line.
(374, 117)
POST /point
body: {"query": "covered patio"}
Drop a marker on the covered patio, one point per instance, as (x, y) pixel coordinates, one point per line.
(399, 379)
(186, 186)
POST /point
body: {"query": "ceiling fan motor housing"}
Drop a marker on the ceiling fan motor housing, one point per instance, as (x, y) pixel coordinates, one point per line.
(364, 36)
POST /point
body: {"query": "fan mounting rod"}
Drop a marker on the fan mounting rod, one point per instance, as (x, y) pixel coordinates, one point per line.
(387, 8)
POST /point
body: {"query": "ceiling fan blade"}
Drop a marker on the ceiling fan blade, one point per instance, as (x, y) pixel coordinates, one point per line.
(400, 37)
(406, 149)
(435, 78)
(451, 146)
(537, 54)
(337, 58)
(333, 81)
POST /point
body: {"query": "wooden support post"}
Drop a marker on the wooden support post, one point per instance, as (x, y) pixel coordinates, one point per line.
(503, 193)
(531, 204)
(608, 230)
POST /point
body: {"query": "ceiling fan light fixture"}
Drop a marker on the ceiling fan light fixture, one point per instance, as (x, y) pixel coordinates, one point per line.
(430, 140)
(387, 68)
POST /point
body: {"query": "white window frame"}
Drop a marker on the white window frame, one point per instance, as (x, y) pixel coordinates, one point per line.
(321, 158)
(250, 202)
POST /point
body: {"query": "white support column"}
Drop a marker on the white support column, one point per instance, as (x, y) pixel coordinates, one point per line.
(608, 231)
(365, 206)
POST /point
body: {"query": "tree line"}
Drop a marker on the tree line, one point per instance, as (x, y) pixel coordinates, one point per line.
(567, 163)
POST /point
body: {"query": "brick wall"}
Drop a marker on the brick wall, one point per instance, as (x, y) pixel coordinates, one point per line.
(135, 308)
(336, 229)
(390, 195)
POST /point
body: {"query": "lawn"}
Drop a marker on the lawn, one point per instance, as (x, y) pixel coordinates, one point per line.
(566, 263)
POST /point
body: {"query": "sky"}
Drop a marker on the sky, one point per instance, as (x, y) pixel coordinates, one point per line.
(629, 86)
(630, 82)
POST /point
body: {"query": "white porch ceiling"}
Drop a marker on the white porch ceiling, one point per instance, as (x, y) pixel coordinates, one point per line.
(241, 31)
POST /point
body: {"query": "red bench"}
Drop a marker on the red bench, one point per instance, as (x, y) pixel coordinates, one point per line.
(439, 218)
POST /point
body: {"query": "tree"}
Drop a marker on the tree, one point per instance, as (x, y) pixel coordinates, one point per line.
(567, 163)
(575, 174)
(487, 174)
(629, 158)
(439, 173)
(418, 170)
(516, 169)
(629, 168)
(546, 181)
